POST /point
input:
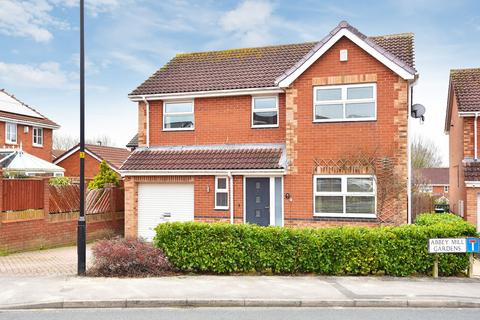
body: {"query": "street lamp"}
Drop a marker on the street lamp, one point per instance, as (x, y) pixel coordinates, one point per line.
(81, 228)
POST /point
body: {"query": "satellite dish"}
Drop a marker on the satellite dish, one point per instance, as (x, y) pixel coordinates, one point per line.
(418, 111)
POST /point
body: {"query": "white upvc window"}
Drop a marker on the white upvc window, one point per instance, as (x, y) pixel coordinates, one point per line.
(349, 196)
(10, 133)
(221, 193)
(178, 115)
(264, 112)
(354, 102)
(445, 189)
(426, 188)
(37, 134)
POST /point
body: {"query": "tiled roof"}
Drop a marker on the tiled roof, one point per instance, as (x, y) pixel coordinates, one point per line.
(56, 153)
(206, 158)
(256, 67)
(114, 156)
(133, 142)
(434, 176)
(20, 117)
(472, 171)
(466, 85)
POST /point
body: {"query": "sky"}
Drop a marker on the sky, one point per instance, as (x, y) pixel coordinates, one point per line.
(128, 40)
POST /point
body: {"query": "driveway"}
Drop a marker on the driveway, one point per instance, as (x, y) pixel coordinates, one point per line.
(59, 261)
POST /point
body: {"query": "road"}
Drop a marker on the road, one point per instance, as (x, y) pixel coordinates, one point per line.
(244, 314)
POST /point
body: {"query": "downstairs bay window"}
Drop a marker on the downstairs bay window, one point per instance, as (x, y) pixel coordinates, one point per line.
(344, 196)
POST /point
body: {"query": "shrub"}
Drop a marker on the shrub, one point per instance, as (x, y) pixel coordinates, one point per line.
(428, 219)
(60, 181)
(225, 248)
(128, 258)
(106, 175)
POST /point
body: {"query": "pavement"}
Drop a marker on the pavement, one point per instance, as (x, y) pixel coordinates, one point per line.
(58, 261)
(46, 279)
(59, 292)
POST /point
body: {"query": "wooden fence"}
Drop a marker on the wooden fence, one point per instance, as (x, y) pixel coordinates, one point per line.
(22, 194)
(422, 202)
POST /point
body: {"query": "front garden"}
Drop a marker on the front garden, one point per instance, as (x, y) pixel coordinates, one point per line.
(220, 248)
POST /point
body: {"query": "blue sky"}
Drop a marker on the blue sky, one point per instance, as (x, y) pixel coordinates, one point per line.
(128, 40)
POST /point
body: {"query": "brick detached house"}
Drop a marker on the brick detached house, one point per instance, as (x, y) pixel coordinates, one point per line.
(433, 181)
(94, 155)
(288, 135)
(25, 128)
(461, 124)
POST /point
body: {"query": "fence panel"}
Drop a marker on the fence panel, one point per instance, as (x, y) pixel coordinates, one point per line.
(64, 198)
(22, 194)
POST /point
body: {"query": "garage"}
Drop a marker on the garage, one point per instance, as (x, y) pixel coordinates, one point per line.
(159, 203)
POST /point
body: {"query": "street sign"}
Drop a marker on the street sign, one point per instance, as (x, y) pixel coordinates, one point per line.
(453, 245)
(447, 245)
(472, 244)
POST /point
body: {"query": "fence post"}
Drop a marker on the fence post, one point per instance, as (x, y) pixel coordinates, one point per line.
(46, 197)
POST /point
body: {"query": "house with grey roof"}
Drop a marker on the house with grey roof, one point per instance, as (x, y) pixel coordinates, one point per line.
(307, 134)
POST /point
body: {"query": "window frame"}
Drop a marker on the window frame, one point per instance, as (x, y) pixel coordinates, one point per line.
(7, 140)
(344, 101)
(225, 190)
(178, 113)
(344, 193)
(445, 189)
(276, 109)
(36, 144)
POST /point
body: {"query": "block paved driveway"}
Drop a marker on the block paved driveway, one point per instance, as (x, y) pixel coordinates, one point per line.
(59, 261)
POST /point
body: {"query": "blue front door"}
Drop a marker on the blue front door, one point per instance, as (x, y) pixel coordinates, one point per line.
(257, 198)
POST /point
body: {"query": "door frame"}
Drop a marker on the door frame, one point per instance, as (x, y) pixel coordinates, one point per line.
(272, 192)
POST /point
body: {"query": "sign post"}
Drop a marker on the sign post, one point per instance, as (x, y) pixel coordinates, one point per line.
(453, 245)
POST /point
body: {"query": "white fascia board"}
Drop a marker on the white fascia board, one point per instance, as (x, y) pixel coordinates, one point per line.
(287, 81)
(468, 114)
(472, 184)
(29, 123)
(205, 94)
(271, 172)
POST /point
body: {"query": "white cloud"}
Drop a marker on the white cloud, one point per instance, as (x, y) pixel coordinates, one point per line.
(44, 75)
(30, 18)
(93, 7)
(249, 22)
(129, 61)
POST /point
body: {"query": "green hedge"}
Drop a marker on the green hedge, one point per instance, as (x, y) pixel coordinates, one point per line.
(428, 219)
(223, 248)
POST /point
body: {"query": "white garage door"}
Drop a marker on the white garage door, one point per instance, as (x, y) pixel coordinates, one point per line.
(159, 203)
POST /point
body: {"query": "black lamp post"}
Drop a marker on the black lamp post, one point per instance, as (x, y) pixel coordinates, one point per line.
(81, 229)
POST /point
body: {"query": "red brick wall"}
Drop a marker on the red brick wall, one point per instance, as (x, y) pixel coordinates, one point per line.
(71, 165)
(26, 139)
(55, 230)
(460, 146)
(307, 141)
(220, 120)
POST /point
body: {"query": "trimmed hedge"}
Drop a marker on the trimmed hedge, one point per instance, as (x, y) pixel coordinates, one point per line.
(224, 248)
(428, 219)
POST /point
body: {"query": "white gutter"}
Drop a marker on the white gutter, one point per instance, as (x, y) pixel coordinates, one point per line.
(201, 94)
(230, 179)
(475, 135)
(270, 172)
(147, 111)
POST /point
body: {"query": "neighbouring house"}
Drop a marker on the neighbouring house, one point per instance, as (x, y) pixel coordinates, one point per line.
(133, 143)
(309, 134)
(17, 162)
(461, 124)
(22, 127)
(94, 154)
(432, 180)
(56, 153)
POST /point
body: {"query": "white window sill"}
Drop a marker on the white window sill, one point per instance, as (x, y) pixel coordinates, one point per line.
(345, 215)
(37, 145)
(221, 208)
(346, 120)
(11, 143)
(265, 126)
(182, 129)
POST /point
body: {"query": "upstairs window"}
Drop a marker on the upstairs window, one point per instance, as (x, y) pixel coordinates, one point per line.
(345, 103)
(264, 112)
(37, 136)
(344, 196)
(11, 133)
(221, 193)
(178, 116)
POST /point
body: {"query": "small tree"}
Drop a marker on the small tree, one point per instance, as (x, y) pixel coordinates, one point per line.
(425, 153)
(106, 175)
